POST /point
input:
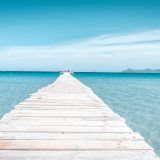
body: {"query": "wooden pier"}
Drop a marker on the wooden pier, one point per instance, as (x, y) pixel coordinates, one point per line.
(67, 121)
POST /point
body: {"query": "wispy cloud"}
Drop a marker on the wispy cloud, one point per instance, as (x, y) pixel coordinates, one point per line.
(101, 53)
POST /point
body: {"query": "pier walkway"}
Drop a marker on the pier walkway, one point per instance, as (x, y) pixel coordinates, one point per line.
(67, 121)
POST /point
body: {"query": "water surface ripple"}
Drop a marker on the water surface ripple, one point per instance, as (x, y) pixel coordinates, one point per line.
(136, 97)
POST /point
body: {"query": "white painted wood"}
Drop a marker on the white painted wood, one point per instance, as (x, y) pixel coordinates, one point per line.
(31, 128)
(73, 145)
(50, 121)
(67, 121)
(70, 136)
(77, 155)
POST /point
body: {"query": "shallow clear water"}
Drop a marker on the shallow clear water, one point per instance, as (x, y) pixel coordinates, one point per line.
(16, 86)
(136, 97)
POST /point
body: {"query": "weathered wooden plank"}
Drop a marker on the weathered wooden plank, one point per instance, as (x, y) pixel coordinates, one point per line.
(81, 155)
(74, 118)
(70, 136)
(68, 108)
(61, 104)
(62, 121)
(31, 128)
(73, 145)
(61, 113)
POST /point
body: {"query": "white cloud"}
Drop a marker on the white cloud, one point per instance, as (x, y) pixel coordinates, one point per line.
(101, 53)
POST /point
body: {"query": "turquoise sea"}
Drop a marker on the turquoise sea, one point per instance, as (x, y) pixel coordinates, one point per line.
(136, 97)
(16, 86)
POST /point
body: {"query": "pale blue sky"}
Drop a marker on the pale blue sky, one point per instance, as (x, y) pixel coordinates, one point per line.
(82, 35)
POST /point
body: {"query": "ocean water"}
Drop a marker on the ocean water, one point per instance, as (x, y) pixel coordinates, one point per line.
(136, 97)
(16, 86)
